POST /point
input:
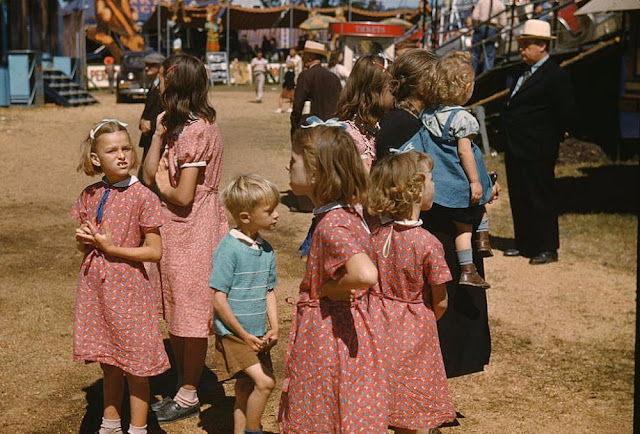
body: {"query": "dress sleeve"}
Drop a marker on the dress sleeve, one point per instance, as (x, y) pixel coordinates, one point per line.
(222, 269)
(192, 147)
(338, 246)
(464, 124)
(79, 211)
(436, 270)
(150, 212)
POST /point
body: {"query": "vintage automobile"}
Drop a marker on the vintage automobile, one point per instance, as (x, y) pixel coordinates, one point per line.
(132, 83)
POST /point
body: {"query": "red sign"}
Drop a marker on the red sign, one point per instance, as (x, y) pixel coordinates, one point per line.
(367, 29)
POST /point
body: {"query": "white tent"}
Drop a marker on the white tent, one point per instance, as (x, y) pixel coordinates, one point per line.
(595, 6)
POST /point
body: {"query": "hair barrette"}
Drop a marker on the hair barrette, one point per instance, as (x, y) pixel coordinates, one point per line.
(315, 121)
(102, 123)
(170, 68)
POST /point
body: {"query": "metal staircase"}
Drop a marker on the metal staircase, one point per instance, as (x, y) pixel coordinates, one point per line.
(60, 89)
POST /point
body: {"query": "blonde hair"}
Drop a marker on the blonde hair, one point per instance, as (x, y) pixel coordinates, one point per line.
(396, 184)
(88, 147)
(453, 76)
(332, 161)
(246, 192)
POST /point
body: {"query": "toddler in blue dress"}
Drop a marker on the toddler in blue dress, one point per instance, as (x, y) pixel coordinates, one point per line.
(462, 184)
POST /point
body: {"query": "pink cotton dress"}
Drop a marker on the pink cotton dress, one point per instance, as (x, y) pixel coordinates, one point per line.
(115, 321)
(333, 380)
(409, 259)
(190, 234)
(366, 144)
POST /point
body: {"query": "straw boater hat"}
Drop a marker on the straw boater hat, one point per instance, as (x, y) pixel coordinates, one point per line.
(536, 29)
(316, 48)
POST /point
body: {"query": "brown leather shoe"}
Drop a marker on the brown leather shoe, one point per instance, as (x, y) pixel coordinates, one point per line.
(483, 245)
(469, 277)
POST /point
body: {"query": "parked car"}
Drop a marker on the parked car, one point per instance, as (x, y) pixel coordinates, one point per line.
(132, 83)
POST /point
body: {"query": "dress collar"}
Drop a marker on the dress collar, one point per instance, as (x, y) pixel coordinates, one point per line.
(408, 223)
(254, 244)
(127, 182)
(328, 207)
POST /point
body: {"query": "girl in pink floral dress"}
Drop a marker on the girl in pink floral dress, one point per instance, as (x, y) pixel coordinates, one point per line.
(115, 320)
(411, 294)
(365, 99)
(187, 176)
(333, 380)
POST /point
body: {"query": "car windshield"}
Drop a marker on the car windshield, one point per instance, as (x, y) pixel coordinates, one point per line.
(133, 61)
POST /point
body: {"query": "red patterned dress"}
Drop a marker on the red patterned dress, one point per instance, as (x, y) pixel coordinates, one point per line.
(333, 380)
(409, 259)
(115, 319)
(190, 234)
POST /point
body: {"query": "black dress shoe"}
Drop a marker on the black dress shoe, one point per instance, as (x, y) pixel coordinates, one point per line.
(544, 258)
(159, 404)
(512, 252)
(172, 412)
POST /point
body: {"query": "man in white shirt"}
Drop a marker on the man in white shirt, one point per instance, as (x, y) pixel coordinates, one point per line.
(489, 17)
(259, 70)
(295, 59)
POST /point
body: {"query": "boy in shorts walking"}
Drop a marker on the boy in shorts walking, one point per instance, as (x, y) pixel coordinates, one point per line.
(243, 277)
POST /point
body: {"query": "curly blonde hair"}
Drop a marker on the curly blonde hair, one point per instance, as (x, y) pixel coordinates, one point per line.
(332, 161)
(453, 76)
(396, 184)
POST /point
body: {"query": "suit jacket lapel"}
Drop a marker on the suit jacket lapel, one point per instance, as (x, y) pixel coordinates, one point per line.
(535, 77)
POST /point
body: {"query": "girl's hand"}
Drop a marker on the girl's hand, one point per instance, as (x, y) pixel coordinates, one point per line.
(160, 129)
(270, 339)
(329, 290)
(103, 241)
(476, 191)
(495, 192)
(162, 175)
(255, 343)
(84, 236)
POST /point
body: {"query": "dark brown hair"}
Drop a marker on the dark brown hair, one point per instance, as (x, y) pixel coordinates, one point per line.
(396, 184)
(185, 95)
(412, 74)
(332, 161)
(362, 95)
(453, 76)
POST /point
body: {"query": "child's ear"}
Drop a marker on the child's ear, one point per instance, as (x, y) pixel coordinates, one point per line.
(244, 217)
(94, 159)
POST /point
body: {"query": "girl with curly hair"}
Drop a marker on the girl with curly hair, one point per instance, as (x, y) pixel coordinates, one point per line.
(411, 295)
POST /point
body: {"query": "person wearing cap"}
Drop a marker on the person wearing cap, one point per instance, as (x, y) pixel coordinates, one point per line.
(153, 104)
(539, 111)
(315, 84)
(259, 71)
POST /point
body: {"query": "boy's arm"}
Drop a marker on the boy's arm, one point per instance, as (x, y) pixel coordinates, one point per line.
(223, 310)
(271, 337)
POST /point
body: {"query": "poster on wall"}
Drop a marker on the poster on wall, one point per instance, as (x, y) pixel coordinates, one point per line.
(218, 66)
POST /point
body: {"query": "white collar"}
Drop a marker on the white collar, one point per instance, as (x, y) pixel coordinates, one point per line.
(254, 244)
(409, 223)
(127, 182)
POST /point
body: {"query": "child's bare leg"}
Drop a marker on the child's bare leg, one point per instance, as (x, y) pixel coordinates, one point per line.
(280, 103)
(112, 390)
(404, 431)
(244, 387)
(195, 353)
(177, 347)
(139, 399)
(263, 386)
(463, 236)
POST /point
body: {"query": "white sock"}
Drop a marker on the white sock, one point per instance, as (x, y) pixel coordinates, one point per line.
(110, 426)
(137, 429)
(186, 397)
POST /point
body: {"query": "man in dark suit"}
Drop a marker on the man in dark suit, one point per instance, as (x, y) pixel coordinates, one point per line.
(540, 110)
(315, 84)
(153, 103)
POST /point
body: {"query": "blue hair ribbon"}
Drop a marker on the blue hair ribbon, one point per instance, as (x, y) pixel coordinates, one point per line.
(315, 121)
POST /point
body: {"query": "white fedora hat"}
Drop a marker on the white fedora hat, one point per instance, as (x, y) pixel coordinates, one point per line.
(536, 29)
(316, 48)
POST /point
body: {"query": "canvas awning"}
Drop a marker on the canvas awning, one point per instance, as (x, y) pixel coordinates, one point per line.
(595, 6)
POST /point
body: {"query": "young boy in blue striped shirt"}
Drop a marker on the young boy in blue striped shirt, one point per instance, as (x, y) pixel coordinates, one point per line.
(243, 277)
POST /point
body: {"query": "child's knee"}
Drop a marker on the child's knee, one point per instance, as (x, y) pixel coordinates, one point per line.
(266, 383)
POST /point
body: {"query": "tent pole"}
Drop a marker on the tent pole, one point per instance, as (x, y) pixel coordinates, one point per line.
(291, 23)
(227, 42)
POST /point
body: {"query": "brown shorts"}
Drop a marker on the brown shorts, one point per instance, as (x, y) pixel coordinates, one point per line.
(232, 356)
(287, 94)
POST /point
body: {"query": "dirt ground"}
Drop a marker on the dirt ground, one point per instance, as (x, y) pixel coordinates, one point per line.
(562, 334)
